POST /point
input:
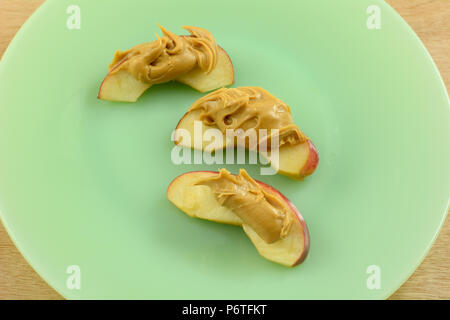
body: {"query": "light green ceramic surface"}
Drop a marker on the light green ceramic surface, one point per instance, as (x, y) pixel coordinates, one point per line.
(83, 181)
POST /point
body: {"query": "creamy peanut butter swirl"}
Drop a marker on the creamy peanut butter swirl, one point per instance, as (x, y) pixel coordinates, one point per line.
(266, 213)
(249, 108)
(169, 56)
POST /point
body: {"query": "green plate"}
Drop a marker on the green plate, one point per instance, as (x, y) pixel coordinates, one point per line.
(83, 181)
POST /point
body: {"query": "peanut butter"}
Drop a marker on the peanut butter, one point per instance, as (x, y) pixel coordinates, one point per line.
(249, 108)
(169, 56)
(266, 213)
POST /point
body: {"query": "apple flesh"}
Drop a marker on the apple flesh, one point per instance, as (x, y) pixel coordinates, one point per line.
(298, 161)
(221, 76)
(198, 201)
(122, 86)
(295, 161)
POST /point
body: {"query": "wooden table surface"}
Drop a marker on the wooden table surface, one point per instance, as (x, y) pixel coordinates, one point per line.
(431, 21)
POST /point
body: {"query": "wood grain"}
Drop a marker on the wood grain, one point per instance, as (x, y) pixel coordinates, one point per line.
(431, 21)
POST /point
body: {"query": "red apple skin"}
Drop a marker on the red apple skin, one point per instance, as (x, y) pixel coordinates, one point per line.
(299, 217)
(289, 203)
(109, 72)
(312, 162)
(179, 124)
(231, 62)
(125, 59)
(190, 172)
(307, 170)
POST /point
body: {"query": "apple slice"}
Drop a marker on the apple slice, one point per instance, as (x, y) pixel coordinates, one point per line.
(122, 86)
(198, 201)
(221, 76)
(298, 161)
(295, 161)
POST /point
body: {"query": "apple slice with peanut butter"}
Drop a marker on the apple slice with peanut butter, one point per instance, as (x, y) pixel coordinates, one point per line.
(195, 60)
(268, 218)
(238, 112)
